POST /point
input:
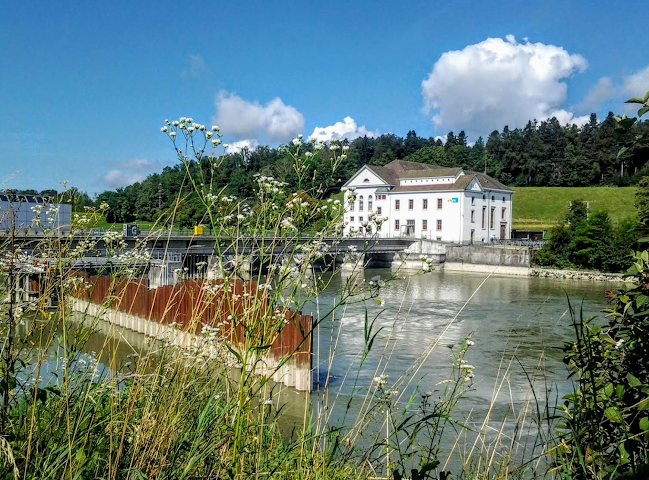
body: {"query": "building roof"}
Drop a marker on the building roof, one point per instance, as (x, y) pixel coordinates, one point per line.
(17, 197)
(397, 169)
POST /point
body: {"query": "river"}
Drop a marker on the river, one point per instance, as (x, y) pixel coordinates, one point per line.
(516, 324)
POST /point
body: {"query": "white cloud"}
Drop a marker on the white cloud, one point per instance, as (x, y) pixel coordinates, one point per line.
(236, 147)
(196, 67)
(637, 84)
(496, 82)
(130, 171)
(241, 118)
(598, 94)
(565, 117)
(345, 130)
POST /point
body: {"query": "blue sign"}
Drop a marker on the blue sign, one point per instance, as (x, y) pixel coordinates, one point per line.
(453, 200)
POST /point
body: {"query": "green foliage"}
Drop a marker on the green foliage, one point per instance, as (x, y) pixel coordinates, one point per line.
(605, 429)
(541, 154)
(592, 242)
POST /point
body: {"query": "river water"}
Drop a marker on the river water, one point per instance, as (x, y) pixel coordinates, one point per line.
(517, 324)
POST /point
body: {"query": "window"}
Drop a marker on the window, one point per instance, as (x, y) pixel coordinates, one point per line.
(397, 204)
(493, 198)
(439, 204)
(424, 204)
(493, 215)
(424, 225)
(472, 200)
(360, 203)
(472, 216)
(351, 219)
(484, 217)
(367, 180)
(439, 239)
(411, 204)
(378, 210)
(503, 213)
(439, 225)
(396, 224)
(503, 199)
(484, 197)
(360, 219)
(369, 203)
(352, 205)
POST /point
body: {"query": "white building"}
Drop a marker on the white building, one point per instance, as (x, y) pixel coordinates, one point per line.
(427, 201)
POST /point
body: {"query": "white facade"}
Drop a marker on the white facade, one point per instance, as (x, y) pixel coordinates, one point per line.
(419, 203)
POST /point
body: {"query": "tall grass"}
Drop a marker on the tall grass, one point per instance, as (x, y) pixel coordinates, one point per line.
(205, 411)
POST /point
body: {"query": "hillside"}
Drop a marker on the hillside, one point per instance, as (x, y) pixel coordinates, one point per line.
(543, 207)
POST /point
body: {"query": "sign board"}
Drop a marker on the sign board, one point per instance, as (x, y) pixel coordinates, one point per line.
(453, 200)
(130, 230)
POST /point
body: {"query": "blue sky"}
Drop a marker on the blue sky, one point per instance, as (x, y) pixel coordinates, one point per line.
(86, 86)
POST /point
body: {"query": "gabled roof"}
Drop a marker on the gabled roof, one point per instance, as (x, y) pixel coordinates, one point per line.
(488, 182)
(397, 169)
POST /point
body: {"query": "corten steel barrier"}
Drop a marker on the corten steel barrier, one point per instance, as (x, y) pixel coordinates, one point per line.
(235, 307)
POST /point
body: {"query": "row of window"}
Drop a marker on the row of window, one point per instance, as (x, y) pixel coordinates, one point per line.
(484, 197)
(411, 203)
(409, 223)
(492, 216)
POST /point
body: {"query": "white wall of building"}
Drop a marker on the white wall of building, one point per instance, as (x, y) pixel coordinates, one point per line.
(454, 214)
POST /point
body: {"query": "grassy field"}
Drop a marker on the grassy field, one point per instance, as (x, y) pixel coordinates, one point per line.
(544, 207)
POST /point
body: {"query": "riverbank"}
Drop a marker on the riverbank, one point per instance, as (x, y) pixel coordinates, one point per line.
(533, 272)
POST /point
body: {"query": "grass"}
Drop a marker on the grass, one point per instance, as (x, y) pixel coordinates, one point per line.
(544, 207)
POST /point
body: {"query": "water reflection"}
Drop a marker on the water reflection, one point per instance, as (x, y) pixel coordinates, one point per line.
(518, 324)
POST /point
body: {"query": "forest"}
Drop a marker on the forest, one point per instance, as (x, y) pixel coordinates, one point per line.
(542, 153)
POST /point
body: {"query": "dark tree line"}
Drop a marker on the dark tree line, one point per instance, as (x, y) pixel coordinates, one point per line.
(540, 154)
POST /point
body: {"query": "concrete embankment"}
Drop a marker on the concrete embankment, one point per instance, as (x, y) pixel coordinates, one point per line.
(532, 272)
(185, 314)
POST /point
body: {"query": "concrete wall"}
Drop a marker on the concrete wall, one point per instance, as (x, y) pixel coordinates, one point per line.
(489, 255)
(293, 373)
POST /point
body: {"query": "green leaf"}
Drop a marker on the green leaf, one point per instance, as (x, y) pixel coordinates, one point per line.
(641, 300)
(614, 415)
(644, 423)
(646, 97)
(608, 389)
(643, 110)
(633, 381)
(635, 100)
(621, 151)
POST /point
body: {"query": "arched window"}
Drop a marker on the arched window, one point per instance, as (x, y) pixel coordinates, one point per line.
(484, 197)
(369, 203)
(493, 198)
(360, 203)
(367, 180)
(503, 199)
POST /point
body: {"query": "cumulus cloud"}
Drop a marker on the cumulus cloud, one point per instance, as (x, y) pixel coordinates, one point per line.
(499, 82)
(637, 84)
(345, 130)
(130, 171)
(598, 94)
(195, 67)
(241, 118)
(236, 147)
